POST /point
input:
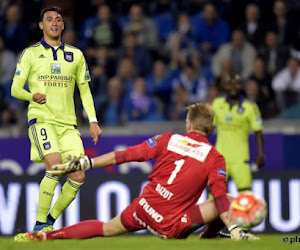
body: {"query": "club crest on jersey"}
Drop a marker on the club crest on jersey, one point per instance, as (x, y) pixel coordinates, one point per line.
(221, 172)
(47, 145)
(151, 142)
(68, 56)
(241, 110)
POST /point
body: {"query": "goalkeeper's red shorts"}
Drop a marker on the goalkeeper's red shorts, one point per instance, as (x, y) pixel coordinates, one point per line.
(135, 218)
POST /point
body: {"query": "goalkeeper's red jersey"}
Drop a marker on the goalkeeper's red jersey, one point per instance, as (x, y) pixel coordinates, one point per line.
(185, 164)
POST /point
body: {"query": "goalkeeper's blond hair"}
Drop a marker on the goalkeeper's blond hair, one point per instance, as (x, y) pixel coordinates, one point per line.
(201, 115)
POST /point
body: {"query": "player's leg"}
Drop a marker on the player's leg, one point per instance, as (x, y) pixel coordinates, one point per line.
(92, 228)
(82, 230)
(241, 175)
(44, 147)
(69, 143)
(211, 218)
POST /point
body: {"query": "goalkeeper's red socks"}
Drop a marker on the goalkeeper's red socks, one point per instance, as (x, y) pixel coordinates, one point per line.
(82, 230)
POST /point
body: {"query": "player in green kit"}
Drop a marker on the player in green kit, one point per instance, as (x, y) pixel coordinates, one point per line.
(52, 68)
(235, 117)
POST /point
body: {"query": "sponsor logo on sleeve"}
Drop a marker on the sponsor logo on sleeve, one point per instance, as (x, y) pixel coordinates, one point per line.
(222, 172)
(87, 74)
(151, 142)
(18, 71)
(259, 120)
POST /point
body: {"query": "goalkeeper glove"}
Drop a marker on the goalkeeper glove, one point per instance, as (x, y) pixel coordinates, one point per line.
(237, 233)
(74, 164)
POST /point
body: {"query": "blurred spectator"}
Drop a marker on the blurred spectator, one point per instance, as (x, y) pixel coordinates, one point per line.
(226, 72)
(255, 93)
(252, 27)
(194, 7)
(295, 47)
(139, 55)
(143, 26)
(193, 82)
(9, 114)
(102, 67)
(274, 55)
(110, 111)
(159, 85)
(286, 84)
(213, 92)
(239, 52)
(179, 104)
(3, 6)
(138, 105)
(210, 30)
(7, 69)
(230, 10)
(162, 12)
(101, 29)
(14, 32)
(282, 24)
(264, 81)
(158, 7)
(180, 44)
(69, 37)
(127, 74)
(107, 32)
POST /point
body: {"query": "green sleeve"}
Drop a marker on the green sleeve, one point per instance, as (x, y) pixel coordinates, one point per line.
(87, 100)
(18, 91)
(21, 75)
(83, 74)
(255, 118)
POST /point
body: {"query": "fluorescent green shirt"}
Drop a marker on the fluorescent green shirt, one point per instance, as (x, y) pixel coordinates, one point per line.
(54, 73)
(233, 128)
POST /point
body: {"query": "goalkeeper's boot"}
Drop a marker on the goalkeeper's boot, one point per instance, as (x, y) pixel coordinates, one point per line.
(26, 237)
(220, 235)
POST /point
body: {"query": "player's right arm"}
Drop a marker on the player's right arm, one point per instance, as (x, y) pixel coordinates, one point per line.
(21, 74)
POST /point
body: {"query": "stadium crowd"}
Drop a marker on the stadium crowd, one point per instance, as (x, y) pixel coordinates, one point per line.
(149, 60)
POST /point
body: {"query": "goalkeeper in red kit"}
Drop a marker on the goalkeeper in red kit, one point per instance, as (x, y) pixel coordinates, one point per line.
(167, 206)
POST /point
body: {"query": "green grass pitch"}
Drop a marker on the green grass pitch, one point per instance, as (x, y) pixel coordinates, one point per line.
(139, 242)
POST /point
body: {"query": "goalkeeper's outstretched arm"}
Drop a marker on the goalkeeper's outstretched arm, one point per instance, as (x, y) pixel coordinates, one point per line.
(140, 152)
(84, 163)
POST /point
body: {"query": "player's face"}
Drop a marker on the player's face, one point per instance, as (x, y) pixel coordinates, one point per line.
(52, 25)
(234, 88)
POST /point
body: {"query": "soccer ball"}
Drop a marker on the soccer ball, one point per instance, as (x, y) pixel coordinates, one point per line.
(248, 210)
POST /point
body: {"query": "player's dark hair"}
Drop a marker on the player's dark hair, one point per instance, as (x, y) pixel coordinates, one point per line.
(201, 115)
(51, 8)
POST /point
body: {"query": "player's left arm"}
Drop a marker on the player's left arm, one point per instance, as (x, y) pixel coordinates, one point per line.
(217, 181)
(217, 185)
(82, 79)
(256, 126)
